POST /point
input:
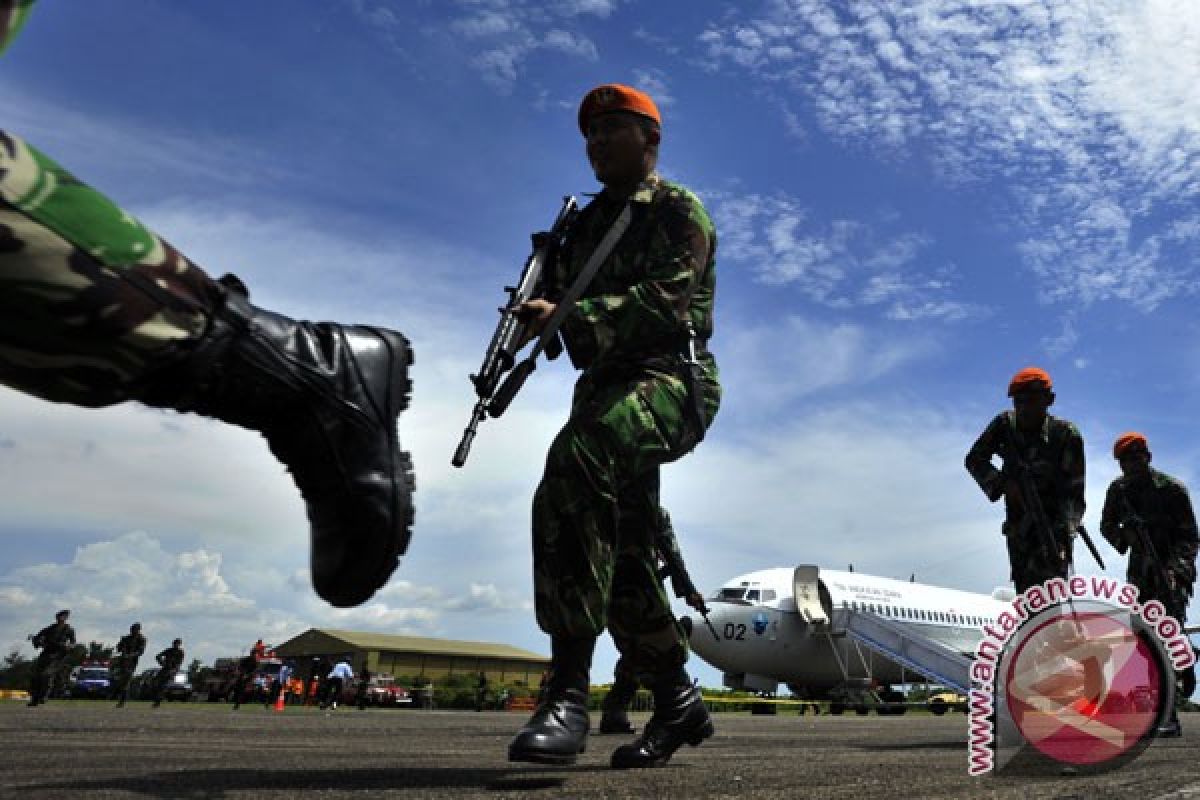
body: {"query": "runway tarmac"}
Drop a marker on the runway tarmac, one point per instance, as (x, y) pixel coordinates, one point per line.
(91, 750)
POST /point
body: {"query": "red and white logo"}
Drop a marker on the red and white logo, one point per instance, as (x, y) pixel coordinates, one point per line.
(1084, 688)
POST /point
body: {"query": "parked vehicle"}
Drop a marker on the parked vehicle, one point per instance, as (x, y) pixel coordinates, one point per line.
(90, 679)
(942, 702)
(222, 679)
(382, 690)
(179, 688)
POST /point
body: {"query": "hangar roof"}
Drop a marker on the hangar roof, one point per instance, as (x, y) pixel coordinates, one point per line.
(362, 640)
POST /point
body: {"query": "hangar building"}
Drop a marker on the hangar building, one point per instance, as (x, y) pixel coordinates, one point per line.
(417, 656)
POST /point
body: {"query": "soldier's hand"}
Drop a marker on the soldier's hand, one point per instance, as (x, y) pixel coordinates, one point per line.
(536, 313)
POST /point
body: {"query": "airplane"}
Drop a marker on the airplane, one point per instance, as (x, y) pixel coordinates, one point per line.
(789, 626)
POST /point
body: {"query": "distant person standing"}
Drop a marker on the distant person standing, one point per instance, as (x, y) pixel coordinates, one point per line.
(259, 650)
(364, 685)
(335, 680)
(1049, 450)
(55, 641)
(244, 679)
(129, 651)
(1148, 514)
(169, 662)
(481, 688)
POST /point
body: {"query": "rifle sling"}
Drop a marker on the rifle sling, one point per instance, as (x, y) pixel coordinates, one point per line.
(567, 302)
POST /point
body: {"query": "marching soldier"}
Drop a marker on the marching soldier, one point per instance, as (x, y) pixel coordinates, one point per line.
(1148, 514)
(55, 641)
(648, 393)
(169, 662)
(129, 650)
(100, 310)
(1046, 453)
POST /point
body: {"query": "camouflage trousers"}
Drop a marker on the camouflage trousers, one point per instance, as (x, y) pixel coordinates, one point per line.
(1027, 557)
(91, 301)
(121, 672)
(596, 513)
(46, 669)
(624, 687)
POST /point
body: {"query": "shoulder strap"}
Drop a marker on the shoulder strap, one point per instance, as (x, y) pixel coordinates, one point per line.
(598, 257)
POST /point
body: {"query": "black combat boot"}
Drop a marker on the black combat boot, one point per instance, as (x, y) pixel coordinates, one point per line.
(680, 717)
(326, 398)
(558, 730)
(1171, 728)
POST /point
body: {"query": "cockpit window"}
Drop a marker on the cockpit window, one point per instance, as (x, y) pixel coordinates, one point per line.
(768, 595)
(752, 595)
(730, 594)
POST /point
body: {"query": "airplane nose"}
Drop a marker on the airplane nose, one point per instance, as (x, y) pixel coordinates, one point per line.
(686, 624)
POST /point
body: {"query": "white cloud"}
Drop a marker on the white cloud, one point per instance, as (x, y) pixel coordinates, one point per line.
(844, 264)
(504, 36)
(1089, 110)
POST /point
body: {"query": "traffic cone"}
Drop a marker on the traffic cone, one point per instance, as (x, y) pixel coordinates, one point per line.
(279, 699)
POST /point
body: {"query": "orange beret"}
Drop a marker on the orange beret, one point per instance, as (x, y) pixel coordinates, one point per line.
(1030, 378)
(1127, 440)
(616, 97)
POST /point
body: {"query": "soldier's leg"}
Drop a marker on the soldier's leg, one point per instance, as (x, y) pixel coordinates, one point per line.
(95, 309)
(615, 705)
(616, 434)
(647, 633)
(39, 678)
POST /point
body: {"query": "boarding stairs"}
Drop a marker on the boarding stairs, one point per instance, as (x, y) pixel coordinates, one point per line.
(915, 651)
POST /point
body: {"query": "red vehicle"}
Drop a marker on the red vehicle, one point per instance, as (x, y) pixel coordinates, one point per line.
(382, 690)
(223, 679)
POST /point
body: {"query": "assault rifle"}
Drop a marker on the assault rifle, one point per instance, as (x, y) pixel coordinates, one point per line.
(676, 570)
(512, 333)
(1135, 522)
(1035, 515)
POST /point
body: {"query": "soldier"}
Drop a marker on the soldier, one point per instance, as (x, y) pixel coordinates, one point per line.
(55, 641)
(99, 310)
(129, 650)
(647, 395)
(1051, 450)
(243, 678)
(1148, 514)
(169, 662)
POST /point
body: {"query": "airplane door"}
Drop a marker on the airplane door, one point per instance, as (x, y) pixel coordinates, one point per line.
(806, 586)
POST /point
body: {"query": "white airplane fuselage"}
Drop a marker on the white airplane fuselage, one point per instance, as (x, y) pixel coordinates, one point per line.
(787, 626)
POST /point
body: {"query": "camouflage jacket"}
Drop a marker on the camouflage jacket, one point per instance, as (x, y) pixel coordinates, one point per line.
(661, 274)
(55, 638)
(1162, 505)
(170, 659)
(1054, 456)
(12, 16)
(132, 644)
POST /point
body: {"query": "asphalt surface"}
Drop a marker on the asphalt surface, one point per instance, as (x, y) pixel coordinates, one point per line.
(90, 750)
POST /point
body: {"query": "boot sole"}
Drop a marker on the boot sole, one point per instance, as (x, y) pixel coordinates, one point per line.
(388, 408)
(535, 757)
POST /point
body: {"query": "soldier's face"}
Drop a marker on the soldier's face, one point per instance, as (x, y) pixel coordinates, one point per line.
(1135, 463)
(1031, 407)
(617, 149)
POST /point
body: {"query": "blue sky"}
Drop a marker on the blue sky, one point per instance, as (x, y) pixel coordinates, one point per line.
(911, 205)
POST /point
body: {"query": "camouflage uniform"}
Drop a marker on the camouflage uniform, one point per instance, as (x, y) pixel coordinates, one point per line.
(1055, 457)
(55, 641)
(129, 650)
(596, 511)
(1162, 502)
(169, 662)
